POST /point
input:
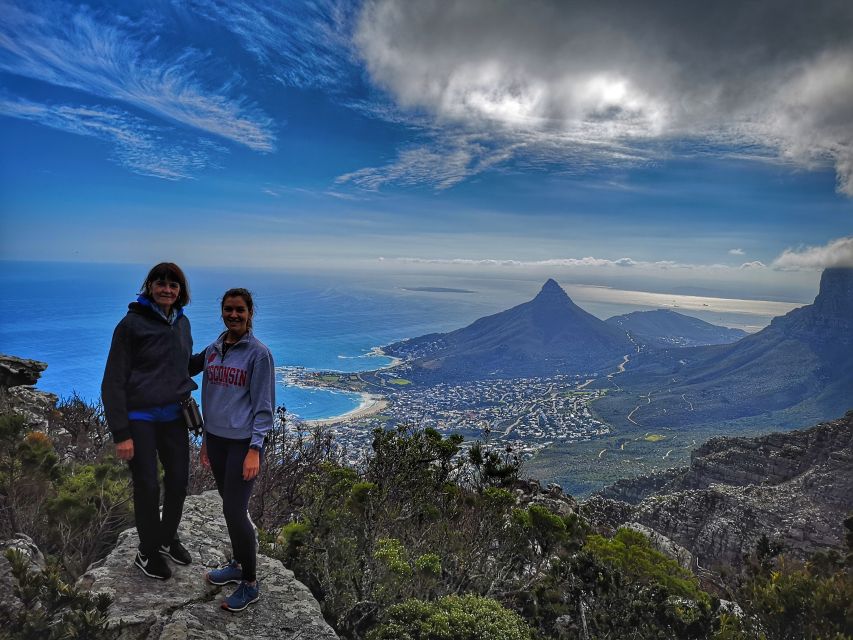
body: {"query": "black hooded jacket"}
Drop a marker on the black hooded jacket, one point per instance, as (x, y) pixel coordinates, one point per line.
(147, 366)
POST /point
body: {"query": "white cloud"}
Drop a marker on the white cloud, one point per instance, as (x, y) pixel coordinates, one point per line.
(836, 253)
(586, 262)
(613, 77)
(736, 252)
(441, 165)
(143, 149)
(80, 49)
(755, 264)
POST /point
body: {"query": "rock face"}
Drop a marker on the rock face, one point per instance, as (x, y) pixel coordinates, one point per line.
(186, 606)
(795, 487)
(17, 375)
(34, 559)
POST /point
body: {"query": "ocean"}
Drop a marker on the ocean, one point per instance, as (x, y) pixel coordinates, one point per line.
(64, 314)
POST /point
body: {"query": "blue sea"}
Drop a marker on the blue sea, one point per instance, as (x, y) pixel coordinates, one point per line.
(64, 314)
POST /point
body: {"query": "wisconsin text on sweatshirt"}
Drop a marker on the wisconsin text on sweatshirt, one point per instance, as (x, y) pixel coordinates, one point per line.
(226, 376)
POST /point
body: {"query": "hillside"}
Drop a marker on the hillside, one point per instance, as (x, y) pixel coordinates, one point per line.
(796, 488)
(663, 328)
(546, 336)
(795, 371)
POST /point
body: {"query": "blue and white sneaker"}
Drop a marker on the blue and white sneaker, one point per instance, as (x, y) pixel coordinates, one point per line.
(242, 597)
(231, 572)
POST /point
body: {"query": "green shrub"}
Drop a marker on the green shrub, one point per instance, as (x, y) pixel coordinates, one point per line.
(50, 609)
(451, 618)
(632, 553)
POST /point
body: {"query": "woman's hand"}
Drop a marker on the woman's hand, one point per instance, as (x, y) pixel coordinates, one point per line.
(251, 465)
(124, 449)
(202, 455)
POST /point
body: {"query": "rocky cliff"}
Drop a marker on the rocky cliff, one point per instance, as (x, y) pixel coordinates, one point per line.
(795, 487)
(186, 606)
(17, 377)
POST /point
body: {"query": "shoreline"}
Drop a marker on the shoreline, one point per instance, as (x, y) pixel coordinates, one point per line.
(371, 404)
(377, 351)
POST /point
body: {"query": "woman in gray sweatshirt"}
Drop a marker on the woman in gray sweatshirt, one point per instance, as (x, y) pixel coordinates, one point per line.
(238, 402)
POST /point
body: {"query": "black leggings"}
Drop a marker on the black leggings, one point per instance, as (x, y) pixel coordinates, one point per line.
(170, 442)
(226, 461)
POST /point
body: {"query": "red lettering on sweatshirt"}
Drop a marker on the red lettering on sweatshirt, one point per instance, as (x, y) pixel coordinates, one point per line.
(226, 376)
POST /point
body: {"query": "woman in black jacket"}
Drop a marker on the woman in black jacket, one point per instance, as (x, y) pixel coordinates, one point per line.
(145, 380)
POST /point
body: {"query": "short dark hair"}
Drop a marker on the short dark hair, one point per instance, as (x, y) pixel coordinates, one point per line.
(241, 293)
(168, 271)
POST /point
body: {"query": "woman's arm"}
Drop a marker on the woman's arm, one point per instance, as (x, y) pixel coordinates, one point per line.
(196, 365)
(114, 384)
(262, 397)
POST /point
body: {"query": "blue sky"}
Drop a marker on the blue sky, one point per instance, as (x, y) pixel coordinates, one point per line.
(655, 145)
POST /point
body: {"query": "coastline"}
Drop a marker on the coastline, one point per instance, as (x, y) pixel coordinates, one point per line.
(371, 404)
(378, 351)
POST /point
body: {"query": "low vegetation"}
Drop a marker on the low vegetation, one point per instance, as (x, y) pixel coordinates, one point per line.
(423, 539)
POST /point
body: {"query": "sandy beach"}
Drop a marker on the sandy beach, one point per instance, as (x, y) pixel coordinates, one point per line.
(370, 405)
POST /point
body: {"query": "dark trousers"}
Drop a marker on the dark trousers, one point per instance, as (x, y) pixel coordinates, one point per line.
(170, 442)
(226, 461)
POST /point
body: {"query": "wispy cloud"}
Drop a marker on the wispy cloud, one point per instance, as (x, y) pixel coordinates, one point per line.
(586, 262)
(441, 165)
(300, 44)
(836, 253)
(136, 145)
(736, 252)
(109, 58)
(614, 78)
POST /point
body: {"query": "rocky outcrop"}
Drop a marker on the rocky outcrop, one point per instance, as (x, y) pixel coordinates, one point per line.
(17, 375)
(795, 488)
(35, 561)
(663, 544)
(186, 606)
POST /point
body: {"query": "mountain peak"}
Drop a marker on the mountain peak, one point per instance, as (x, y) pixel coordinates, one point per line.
(551, 290)
(836, 284)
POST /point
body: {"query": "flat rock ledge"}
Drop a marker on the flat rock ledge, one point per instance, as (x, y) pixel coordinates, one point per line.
(186, 606)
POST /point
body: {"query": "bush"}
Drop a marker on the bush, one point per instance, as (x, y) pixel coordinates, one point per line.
(49, 609)
(632, 553)
(451, 618)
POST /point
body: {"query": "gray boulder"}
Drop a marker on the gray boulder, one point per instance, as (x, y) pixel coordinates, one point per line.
(35, 561)
(186, 606)
(17, 395)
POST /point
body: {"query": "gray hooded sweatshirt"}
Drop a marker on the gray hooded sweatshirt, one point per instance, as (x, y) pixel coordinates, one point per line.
(238, 390)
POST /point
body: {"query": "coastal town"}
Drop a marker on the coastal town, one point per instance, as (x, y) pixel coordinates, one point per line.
(524, 414)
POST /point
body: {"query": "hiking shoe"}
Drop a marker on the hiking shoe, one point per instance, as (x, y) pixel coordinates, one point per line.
(176, 551)
(153, 565)
(242, 597)
(231, 572)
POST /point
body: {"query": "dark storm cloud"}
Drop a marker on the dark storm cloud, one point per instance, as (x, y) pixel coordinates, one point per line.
(560, 75)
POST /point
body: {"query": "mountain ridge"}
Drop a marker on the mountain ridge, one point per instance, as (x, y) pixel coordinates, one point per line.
(662, 328)
(545, 336)
(797, 370)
